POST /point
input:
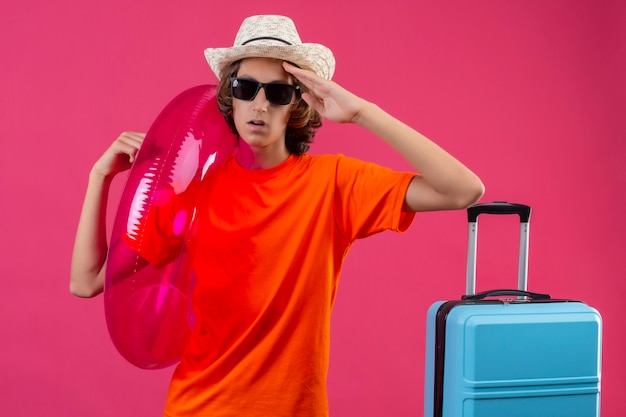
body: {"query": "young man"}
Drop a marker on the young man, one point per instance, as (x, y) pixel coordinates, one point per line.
(275, 224)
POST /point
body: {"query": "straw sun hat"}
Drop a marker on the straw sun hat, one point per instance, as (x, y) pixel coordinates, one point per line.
(271, 36)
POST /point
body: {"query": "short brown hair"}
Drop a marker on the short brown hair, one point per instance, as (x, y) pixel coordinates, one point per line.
(303, 120)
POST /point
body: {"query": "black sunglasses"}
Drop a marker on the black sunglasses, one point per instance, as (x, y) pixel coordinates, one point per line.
(275, 92)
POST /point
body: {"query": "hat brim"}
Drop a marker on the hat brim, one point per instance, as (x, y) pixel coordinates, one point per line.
(314, 56)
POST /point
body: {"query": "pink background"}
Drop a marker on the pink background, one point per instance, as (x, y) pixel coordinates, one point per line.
(530, 94)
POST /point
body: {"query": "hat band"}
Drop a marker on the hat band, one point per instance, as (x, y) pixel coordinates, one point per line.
(264, 38)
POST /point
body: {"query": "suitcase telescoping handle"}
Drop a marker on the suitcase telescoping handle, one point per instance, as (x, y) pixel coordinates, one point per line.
(497, 207)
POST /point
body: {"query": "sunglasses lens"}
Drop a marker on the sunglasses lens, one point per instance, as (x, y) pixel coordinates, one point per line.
(244, 89)
(279, 93)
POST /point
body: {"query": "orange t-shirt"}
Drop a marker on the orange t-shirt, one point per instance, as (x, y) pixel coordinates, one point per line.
(267, 250)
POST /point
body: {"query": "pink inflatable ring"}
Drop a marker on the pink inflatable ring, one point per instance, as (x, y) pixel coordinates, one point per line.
(149, 276)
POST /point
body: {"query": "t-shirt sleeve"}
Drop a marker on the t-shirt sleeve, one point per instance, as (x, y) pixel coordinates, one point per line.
(370, 198)
(159, 233)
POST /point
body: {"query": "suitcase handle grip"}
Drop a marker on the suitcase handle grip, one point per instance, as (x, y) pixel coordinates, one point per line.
(496, 293)
(499, 207)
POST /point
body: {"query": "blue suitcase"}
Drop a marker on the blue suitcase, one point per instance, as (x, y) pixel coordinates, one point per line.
(525, 355)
